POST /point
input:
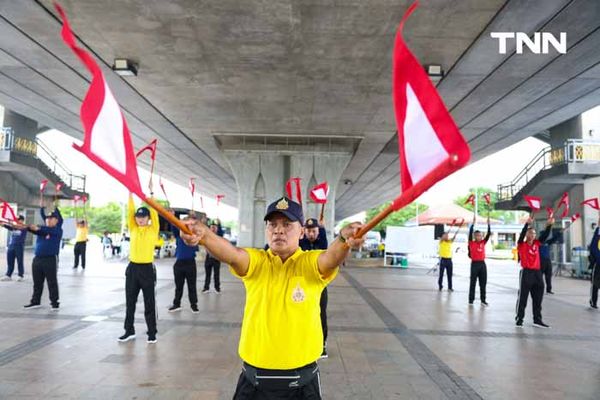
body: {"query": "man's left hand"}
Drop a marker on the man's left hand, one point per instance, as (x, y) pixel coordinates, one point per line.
(349, 231)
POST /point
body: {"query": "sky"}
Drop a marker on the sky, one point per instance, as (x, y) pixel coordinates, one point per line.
(489, 172)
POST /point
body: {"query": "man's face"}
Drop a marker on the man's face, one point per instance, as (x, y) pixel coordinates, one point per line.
(445, 236)
(311, 233)
(283, 235)
(478, 236)
(51, 222)
(214, 228)
(142, 221)
(530, 236)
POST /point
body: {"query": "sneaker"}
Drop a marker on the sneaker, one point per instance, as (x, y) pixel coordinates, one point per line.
(195, 309)
(75, 267)
(54, 307)
(20, 279)
(127, 337)
(519, 323)
(540, 324)
(549, 292)
(218, 291)
(174, 308)
(484, 303)
(31, 306)
(450, 290)
(593, 305)
(324, 353)
(470, 304)
(204, 291)
(440, 288)
(151, 339)
(6, 278)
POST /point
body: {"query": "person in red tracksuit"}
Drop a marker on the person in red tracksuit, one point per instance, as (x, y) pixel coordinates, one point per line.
(530, 278)
(478, 268)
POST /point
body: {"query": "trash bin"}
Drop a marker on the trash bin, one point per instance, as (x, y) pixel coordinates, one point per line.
(403, 262)
(579, 259)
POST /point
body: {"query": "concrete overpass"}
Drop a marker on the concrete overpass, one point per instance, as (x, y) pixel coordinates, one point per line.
(220, 80)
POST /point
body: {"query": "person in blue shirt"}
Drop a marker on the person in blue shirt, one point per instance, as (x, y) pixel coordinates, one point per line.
(212, 264)
(184, 270)
(595, 257)
(15, 249)
(45, 261)
(546, 262)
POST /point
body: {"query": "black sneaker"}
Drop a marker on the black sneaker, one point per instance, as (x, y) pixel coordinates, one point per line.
(127, 337)
(519, 323)
(151, 338)
(540, 324)
(440, 288)
(55, 307)
(324, 353)
(174, 308)
(195, 309)
(593, 305)
(450, 290)
(75, 267)
(31, 306)
(484, 303)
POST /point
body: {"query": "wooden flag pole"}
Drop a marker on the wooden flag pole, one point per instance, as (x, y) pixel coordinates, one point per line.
(168, 215)
(409, 195)
(322, 215)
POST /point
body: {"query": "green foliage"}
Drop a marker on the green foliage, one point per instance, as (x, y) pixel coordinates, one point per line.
(397, 218)
(501, 246)
(482, 207)
(100, 219)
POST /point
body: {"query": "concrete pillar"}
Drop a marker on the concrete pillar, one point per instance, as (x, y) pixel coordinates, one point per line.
(21, 125)
(570, 129)
(261, 179)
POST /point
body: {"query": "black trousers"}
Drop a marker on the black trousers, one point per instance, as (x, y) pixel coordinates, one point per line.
(210, 265)
(44, 268)
(140, 277)
(185, 271)
(546, 265)
(445, 264)
(478, 272)
(245, 390)
(595, 285)
(80, 248)
(530, 281)
(323, 304)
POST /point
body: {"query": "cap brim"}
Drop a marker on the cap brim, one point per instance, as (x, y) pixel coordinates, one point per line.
(287, 214)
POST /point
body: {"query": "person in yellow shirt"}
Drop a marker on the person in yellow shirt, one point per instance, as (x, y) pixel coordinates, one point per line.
(281, 336)
(140, 273)
(81, 238)
(445, 253)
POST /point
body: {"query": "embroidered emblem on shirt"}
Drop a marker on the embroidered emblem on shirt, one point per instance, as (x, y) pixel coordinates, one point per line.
(282, 205)
(298, 294)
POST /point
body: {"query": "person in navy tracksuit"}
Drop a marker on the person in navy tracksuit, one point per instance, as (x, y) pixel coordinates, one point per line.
(595, 260)
(15, 250)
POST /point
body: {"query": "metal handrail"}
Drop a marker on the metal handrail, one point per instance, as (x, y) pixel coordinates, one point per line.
(43, 154)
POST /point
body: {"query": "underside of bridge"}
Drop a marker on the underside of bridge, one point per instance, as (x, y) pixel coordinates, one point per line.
(298, 76)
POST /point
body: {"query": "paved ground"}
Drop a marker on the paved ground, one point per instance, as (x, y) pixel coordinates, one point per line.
(392, 336)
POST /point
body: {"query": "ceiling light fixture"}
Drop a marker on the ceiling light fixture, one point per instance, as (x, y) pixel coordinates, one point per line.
(435, 72)
(125, 67)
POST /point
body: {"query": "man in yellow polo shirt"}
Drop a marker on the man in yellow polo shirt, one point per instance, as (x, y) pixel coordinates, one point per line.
(140, 273)
(281, 336)
(81, 238)
(445, 253)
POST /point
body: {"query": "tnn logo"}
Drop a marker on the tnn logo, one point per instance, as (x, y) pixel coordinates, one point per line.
(540, 43)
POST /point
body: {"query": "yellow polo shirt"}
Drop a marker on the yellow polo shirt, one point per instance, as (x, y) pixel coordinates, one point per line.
(281, 328)
(142, 238)
(81, 234)
(445, 249)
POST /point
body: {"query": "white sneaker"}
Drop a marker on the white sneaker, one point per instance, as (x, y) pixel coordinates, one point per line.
(6, 278)
(20, 279)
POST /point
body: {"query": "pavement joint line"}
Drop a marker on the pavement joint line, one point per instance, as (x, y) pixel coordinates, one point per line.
(449, 383)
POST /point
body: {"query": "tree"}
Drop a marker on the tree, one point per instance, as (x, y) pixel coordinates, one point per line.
(100, 219)
(397, 218)
(482, 207)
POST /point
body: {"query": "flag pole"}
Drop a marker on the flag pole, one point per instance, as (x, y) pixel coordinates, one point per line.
(409, 195)
(322, 215)
(167, 215)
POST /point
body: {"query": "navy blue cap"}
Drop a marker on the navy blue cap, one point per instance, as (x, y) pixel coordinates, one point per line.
(142, 212)
(311, 223)
(287, 207)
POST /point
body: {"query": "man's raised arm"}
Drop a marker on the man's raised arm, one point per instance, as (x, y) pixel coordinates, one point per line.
(339, 248)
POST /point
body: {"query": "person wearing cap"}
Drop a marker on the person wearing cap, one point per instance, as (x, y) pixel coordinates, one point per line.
(184, 270)
(595, 259)
(281, 337)
(140, 273)
(14, 250)
(476, 247)
(45, 261)
(81, 238)
(212, 264)
(315, 238)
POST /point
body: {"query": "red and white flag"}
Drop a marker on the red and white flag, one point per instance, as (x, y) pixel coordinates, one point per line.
(550, 212)
(219, 198)
(7, 213)
(84, 199)
(162, 186)
(575, 217)
(430, 144)
(43, 184)
(59, 186)
(319, 193)
(151, 147)
(564, 201)
(535, 203)
(192, 186)
(107, 141)
(488, 199)
(593, 202)
(76, 198)
(471, 200)
(288, 189)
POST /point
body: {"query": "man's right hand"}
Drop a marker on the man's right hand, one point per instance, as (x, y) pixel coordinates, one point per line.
(198, 232)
